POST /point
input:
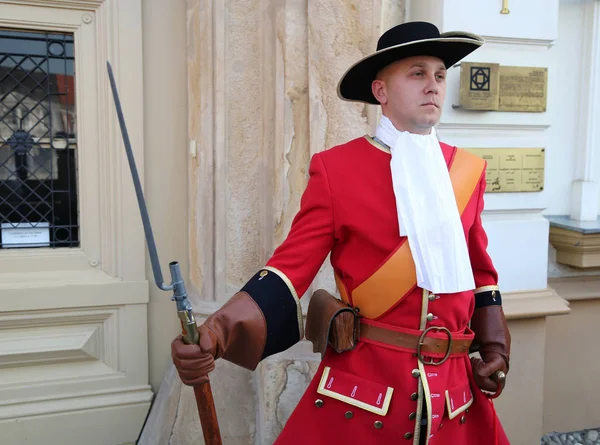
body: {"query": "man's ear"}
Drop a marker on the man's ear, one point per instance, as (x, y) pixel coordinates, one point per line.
(379, 91)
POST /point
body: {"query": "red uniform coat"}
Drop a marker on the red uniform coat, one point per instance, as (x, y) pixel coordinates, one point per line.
(349, 210)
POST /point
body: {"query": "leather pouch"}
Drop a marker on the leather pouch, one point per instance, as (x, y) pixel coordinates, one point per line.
(331, 321)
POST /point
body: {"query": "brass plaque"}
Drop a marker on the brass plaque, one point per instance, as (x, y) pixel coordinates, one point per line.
(523, 89)
(492, 87)
(513, 169)
(479, 87)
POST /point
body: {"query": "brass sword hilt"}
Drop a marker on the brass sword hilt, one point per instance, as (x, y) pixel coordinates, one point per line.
(500, 378)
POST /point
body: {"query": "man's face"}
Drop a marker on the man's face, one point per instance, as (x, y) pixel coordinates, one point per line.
(411, 92)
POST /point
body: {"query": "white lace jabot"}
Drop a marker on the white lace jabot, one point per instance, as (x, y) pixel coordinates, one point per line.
(427, 211)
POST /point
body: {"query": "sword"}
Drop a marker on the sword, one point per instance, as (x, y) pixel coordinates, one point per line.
(203, 392)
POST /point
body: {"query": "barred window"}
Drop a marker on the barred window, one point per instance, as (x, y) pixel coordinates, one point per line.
(38, 140)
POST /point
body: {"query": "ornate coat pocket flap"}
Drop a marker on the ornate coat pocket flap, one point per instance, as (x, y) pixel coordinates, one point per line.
(356, 391)
(458, 399)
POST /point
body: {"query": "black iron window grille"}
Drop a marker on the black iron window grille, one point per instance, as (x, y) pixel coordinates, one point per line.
(38, 140)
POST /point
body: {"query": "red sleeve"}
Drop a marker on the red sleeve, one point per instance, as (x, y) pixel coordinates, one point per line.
(484, 271)
(311, 236)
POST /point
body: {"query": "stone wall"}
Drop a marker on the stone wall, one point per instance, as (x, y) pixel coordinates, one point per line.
(262, 85)
(262, 82)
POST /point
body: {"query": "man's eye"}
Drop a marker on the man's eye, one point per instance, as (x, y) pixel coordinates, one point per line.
(418, 73)
(441, 76)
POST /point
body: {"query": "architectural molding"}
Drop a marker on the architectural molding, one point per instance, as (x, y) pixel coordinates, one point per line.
(541, 44)
(56, 338)
(534, 304)
(60, 360)
(74, 404)
(71, 423)
(575, 248)
(470, 127)
(524, 214)
(585, 192)
(52, 290)
(90, 5)
(576, 288)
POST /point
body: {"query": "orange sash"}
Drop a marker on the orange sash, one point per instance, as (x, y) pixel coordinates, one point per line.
(397, 276)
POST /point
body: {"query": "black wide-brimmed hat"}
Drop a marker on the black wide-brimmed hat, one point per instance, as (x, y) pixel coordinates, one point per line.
(401, 41)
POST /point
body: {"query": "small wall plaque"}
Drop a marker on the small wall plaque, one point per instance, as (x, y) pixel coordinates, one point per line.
(479, 86)
(492, 87)
(513, 169)
(523, 89)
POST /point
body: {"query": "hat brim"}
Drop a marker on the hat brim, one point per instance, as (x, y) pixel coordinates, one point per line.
(355, 84)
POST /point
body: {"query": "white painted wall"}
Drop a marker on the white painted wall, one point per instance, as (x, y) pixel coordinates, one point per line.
(560, 160)
(530, 19)
(165, 126)
(517, 230)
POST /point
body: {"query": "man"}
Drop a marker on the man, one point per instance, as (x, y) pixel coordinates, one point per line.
(400, 214)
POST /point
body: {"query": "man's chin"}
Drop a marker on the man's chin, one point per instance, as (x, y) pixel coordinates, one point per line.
(427, 125)
(429, 119)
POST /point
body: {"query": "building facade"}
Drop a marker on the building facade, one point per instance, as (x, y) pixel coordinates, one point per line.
(225, 102)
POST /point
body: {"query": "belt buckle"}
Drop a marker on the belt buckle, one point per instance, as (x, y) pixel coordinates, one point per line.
(432, 360)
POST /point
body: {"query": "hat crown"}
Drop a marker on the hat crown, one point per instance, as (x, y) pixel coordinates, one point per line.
(406, 33)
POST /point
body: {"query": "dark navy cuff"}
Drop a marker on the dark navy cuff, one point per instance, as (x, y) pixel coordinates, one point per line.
(275, 295)
(488, 297)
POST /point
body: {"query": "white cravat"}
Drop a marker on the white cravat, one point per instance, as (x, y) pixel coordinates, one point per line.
(427, 210)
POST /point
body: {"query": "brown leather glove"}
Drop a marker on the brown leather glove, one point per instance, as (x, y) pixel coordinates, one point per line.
(492, 340)
(194, 362)
(237, 333)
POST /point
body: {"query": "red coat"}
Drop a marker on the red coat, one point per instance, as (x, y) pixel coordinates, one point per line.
(349, 210)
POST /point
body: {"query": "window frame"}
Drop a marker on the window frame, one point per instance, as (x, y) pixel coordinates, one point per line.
(111, 249)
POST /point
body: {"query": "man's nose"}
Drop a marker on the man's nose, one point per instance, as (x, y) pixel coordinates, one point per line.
(432, 85)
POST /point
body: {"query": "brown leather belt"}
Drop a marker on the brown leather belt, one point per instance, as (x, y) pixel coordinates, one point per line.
(423, 345)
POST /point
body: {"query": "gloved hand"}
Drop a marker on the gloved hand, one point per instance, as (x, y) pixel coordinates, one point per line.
(492, 340)
(194, 362)
(237, 333)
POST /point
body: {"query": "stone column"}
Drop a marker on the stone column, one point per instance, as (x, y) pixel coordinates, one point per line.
(262, 80)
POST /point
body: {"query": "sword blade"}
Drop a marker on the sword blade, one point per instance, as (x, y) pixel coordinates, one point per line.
(152, 251)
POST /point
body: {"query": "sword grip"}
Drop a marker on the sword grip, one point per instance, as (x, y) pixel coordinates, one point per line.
(500, 378)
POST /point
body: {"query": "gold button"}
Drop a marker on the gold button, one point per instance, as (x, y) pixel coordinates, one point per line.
(408, 435)
(431, 297)
(319, 403)
(349, 415)
(414, 396)
(412, 416)
(415, 373)
(463, 419)
(378, 424)
(429, 317)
